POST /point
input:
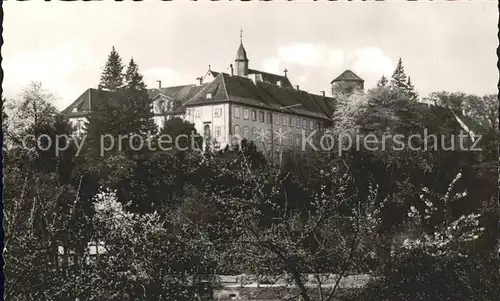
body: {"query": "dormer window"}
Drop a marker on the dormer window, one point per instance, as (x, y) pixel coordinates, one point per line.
(75, 109)
(209, 95)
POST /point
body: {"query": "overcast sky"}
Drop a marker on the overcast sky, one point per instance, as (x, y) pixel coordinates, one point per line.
(444, 46)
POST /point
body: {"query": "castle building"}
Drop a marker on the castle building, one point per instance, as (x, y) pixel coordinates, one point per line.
(246, 103)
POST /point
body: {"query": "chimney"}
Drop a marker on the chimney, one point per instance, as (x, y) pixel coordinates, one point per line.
(159, 84)
(298, 87)
(323, 93)
(200, 79)
(232, 70)
(253, 77)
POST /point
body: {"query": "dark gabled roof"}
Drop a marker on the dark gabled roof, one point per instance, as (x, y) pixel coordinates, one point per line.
(86, 102)
(178, 93)
(209, 73)
(214, 74)
(272, 78)
(348, 75)
(82, 105)
(261, 94)
(223, 88)
(91, 98)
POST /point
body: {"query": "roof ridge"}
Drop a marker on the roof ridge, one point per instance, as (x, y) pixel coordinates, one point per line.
(77, 100)
(348, 74)
(225, 87)
(272, 96)
(199, 92)
(169, 97)
(264, 72)
(274, 75)
(310, 97)
(171, 87)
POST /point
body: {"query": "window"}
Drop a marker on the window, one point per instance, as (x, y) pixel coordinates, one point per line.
(217, 131)
(297, 122)
(311, 125)
(253, 134)
(197, 113)
(209, 95)
(318, 125)
(217, 112)
(206, 131)
(297, 140)
(237, 131)
(170, 106)
(277, 137)
(290, 121)
(245, 113)
(96, 248)
(81, 125)
(75, 110)
(283, 120)
(261, 116)
(156, 106)
(236, 112)
(246, 133)
(277, 119)
(67, 257)
(269, 118)
(254, 115)
(290, 138)
(304, 124)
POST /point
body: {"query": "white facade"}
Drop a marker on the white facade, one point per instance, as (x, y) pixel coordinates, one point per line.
(161, 105)
(271, 130)
(211, 120)
(221, 122)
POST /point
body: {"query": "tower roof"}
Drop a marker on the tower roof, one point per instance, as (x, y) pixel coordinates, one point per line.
(241, 54)
(348, 75)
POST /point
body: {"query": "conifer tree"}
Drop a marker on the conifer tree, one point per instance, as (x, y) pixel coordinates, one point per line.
(382, 82)
(104, 119)
(399, 78)
(411, 90)
(133, 79)
(137, 103)
(112, 77)
(105, 116)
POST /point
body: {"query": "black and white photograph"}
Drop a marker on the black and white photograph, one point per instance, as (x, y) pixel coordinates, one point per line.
(253, 151)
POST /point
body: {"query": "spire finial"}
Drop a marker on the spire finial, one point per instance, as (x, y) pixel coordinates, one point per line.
(241, 35)
(285, 71)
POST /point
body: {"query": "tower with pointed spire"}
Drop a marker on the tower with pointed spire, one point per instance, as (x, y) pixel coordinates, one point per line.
(241, 61)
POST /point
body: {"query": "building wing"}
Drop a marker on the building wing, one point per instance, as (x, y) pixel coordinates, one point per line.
(262, 94)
